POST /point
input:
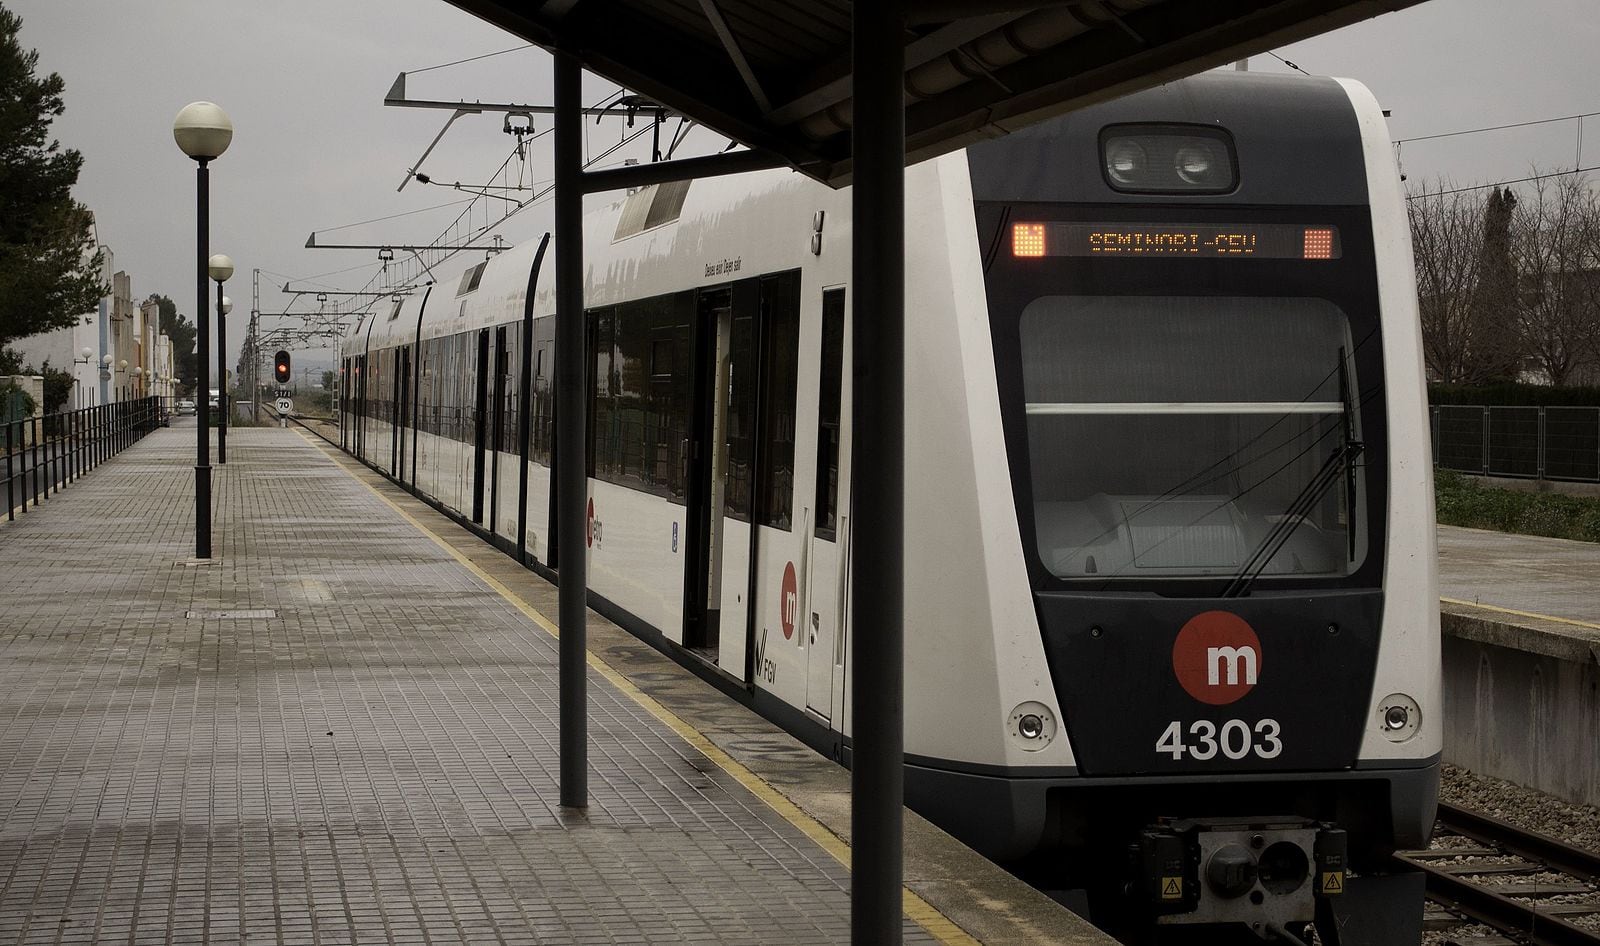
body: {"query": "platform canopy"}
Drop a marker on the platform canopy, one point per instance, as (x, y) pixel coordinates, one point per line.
(775, 74)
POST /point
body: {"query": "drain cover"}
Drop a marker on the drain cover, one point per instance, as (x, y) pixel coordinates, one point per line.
(239, 615)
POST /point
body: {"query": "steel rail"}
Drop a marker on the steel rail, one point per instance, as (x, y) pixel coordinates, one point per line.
(1502, 912)
(1526, 844)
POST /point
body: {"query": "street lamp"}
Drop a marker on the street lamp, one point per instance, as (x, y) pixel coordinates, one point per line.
(202, 131)
(221, 269)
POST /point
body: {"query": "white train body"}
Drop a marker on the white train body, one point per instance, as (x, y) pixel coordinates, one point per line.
(1043, 706)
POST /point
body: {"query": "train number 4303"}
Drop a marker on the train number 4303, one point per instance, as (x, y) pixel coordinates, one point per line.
(1235, 739)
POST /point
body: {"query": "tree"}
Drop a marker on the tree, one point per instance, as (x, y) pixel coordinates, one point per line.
(182, 332)
(327, 381)
(1468, 320)
(1557, 239)
(49, 266)
(1495, 305)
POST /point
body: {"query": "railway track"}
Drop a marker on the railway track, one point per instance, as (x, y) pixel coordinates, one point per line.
(1531, 888)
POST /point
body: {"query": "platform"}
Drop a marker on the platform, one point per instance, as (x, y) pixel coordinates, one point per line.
(343, 730)
(1521, 659)
(1525, 575)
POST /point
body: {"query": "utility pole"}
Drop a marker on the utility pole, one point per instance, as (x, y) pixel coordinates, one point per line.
(255, 346)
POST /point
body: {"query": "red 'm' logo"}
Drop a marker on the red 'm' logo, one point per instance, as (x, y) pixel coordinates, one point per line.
(588, 526)
(788, 601)
(1217, 657)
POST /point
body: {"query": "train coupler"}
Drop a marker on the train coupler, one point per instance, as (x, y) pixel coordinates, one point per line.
(1267, 874)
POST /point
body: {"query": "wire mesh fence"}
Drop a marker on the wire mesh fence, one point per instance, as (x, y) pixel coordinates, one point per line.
(1550, 443)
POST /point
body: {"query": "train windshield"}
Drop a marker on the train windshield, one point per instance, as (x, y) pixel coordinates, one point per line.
(1192, 436)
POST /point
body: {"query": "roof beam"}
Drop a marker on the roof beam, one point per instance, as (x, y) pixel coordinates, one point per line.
(918, 51)
(731, 44)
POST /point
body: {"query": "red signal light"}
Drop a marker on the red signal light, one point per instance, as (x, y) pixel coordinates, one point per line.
(280, 367)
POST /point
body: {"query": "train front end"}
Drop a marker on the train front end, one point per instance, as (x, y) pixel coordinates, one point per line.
(1207, 357)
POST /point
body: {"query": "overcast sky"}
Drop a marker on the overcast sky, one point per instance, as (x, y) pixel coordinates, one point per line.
(314, 149)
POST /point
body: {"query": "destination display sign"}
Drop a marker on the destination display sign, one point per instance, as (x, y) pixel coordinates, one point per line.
(1176, 240)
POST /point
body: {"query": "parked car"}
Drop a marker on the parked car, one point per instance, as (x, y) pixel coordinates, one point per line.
(186, 406)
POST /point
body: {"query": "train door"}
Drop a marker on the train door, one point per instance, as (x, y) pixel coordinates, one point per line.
(361, 406)
(396, 426)
(480, 414)
(717, 575)
(497, 423)
(828, 563)
(404, 408)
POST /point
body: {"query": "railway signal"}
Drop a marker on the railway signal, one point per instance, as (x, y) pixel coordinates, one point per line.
(280, 367)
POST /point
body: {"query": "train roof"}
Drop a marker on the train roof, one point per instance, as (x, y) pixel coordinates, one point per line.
(1297, 140)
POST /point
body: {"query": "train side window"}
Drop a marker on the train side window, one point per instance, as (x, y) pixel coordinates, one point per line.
(604, 437)
(832, 381)
(780, 309)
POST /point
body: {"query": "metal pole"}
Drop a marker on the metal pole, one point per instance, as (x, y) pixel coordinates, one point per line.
(255, 350)
(878, 314)
(222, 379)
(33, 423)
(202, 409)
(11, 504)
(571, 481)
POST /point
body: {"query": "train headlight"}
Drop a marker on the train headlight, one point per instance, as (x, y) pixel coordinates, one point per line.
(1194, 165)
(1169, 159)
(1031, 725)
(1125, 161)
(1399, 717)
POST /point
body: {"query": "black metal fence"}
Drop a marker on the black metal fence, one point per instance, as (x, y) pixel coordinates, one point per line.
(1548, 443)
(43, 454)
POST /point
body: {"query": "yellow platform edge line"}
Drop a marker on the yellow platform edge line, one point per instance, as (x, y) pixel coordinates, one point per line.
(920, 911)
(1523, 614)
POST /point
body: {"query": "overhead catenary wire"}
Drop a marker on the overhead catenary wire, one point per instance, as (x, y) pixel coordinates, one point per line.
(395, 216)
(1288, 63)
(464, 230)
(458, 62)
(1521, 180)
(1489, 128)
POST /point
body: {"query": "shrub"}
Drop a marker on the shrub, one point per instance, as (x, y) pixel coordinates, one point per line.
(15, 402)
(1463, 502)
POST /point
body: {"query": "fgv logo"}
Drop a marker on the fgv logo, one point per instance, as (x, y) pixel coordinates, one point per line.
(1217, 657)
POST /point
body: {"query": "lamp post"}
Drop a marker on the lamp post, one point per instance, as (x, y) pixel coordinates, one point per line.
(221, 268)
(202, 131)
(81, 386)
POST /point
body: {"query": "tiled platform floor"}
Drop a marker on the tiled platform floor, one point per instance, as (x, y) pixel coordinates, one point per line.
(376, 763)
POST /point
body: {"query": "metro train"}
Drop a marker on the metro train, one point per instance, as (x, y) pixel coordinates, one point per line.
(1172, 639)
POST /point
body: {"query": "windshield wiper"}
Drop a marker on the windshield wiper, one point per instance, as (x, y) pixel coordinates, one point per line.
(1340, 463)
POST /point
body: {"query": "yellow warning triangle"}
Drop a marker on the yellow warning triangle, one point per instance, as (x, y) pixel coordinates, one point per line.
(1172, 887)
(1333, 881)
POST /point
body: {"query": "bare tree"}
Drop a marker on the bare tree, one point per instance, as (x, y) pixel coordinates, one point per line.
(1466, 301)
(1554, 240)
